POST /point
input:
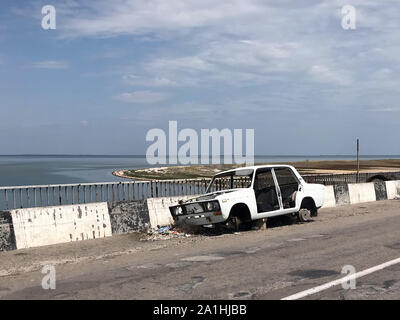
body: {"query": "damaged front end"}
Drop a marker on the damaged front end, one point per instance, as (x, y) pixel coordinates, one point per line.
(197, 213)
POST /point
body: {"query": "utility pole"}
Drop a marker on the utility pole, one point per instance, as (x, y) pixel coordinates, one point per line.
(358, 161)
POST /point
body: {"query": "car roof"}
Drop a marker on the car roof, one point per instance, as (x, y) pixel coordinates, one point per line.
(257, 167)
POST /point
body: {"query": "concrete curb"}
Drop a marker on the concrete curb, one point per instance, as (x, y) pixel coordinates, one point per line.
(361, 192)
(33, 227)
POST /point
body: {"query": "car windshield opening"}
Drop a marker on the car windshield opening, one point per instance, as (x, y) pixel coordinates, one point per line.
(231, 180)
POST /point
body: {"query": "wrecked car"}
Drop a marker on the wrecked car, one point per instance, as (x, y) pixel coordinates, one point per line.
(248, 194)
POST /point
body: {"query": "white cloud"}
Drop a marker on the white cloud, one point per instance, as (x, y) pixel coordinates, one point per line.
(297, 48)
(142, 97)
(324, 74)
(132, 79)
(271, 50)
(206, 113)
(238, 42)
(114, 53)
(188, 64)
(105, 18)
(385, 110)
(234, 63)
(382, 74)
(51, 64)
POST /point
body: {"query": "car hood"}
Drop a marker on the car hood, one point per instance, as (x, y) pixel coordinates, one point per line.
(210, 196)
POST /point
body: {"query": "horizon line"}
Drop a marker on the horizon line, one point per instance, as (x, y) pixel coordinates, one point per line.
(167, 155)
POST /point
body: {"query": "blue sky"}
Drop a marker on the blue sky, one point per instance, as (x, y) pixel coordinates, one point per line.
(112, 70)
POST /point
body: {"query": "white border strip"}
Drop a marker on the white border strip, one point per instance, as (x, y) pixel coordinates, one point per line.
(342, 280)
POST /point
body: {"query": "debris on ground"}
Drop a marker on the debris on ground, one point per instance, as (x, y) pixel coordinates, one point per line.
(185, 231)
(164, 230)
(165, 233)
(397, 197)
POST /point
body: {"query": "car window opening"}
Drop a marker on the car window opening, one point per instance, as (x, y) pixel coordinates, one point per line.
(231, 180)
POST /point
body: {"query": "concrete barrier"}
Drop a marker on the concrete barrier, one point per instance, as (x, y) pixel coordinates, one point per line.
(129, 216)
(392, 189)
(361, 192)
(7, 237)
(34, 227)
(342, 195)
(329, 197)
(159, 210)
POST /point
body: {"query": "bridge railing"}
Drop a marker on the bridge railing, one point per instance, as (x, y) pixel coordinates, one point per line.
(338, 178)
(64, 194)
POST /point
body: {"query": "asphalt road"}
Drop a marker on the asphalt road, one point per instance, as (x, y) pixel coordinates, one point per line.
(265, 264)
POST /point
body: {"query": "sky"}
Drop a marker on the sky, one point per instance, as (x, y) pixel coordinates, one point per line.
(113, 70)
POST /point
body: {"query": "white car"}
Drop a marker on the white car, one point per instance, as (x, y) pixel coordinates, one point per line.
(252, 193)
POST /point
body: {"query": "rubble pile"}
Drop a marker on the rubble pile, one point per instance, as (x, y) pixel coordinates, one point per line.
(181, 231)
(165, 233)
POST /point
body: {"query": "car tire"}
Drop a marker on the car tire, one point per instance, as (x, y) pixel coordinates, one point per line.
(259, 224)
(304, 215)
(314, 212)
(233, 223)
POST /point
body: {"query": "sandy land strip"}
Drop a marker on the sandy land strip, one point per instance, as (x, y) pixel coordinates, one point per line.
(304, 167)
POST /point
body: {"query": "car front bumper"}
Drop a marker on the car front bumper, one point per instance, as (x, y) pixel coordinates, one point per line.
(199, 219)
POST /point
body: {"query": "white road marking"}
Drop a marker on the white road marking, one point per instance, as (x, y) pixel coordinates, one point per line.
(331, 284)
(315, 236)
(202, 258)
(252, 250)
(296, 239)
(148, 266)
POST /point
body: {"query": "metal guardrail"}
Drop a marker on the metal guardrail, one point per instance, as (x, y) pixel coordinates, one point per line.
(331, 179)
(64, 194)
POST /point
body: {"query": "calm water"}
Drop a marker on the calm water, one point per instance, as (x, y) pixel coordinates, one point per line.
(28, 170)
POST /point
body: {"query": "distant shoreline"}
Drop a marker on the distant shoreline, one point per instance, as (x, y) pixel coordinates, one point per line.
(121, 174)
(304, 167)
(139, 156)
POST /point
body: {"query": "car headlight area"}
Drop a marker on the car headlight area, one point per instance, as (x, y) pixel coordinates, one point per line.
(195, 208)
(211, 206)
(177, 210)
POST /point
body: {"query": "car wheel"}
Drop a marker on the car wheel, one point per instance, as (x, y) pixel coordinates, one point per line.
(259, 224)
(314, 212)
(237, 223)
(304, 215)
(233, 223)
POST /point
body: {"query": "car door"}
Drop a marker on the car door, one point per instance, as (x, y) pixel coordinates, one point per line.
(267, 193)
(288, 187)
